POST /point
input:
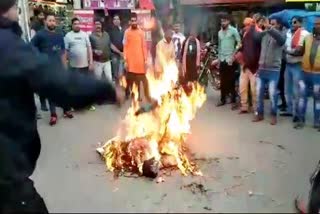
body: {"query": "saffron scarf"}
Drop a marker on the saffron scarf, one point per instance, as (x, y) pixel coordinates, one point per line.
(296, 38)
(184, 56)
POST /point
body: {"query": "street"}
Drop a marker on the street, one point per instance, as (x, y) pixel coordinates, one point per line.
(247, 167)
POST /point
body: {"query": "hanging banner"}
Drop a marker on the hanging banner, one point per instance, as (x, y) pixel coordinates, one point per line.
(86, 18)
(93, 4)
(119, 4)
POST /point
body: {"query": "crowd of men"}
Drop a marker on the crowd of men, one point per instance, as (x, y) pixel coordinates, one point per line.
(286, 61)
(268, 55)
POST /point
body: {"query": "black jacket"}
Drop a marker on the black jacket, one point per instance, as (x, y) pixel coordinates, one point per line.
(23, 72)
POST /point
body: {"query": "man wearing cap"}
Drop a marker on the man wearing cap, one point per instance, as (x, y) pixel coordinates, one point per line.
(25, 71)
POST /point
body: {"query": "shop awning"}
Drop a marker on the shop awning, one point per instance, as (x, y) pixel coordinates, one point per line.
(208, 2)
(146, 4)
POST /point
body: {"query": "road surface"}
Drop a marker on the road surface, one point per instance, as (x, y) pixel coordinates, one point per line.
(247, 167)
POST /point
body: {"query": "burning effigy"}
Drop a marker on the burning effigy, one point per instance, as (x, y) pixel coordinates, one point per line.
(153, 136)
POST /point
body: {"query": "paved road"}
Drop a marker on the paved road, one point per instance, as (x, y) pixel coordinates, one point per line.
(249, 167)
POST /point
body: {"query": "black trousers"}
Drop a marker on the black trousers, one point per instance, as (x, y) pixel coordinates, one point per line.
(228, 81)
(133, 78)
(21, 197)
(281, 83)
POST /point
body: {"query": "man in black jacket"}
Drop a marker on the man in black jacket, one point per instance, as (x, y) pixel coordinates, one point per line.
(23, 72)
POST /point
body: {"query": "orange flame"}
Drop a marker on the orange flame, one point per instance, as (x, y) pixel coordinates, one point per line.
(160, 132)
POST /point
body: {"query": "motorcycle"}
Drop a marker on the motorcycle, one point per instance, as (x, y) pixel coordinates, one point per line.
(209, 67)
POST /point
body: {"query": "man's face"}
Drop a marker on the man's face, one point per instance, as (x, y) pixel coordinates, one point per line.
(13, 13)
(41, 16)
(261, 23)
(116, 21)
(98, 27)
(134, 23)
(76, 26)
(317, 26)
(51, 23)
(176, 28)
(295, 24)
(274, 24)
(225, 23)
(168, 35)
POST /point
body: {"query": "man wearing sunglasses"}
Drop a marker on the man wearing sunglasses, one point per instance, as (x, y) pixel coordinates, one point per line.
(310, 52)
(293, 73)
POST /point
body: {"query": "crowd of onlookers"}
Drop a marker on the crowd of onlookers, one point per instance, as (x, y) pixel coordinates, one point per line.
(285, 61)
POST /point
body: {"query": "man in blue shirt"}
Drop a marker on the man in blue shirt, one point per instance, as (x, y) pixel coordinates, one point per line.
(50, 42)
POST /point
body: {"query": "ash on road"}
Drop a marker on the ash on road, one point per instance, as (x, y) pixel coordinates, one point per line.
(247, 167)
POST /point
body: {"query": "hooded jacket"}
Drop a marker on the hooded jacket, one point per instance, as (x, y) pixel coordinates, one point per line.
(23, 72)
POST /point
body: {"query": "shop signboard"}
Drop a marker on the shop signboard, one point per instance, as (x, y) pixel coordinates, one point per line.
(94, 4)
(119, 4)
(86, 18)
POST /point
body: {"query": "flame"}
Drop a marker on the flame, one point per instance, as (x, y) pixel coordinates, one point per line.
(161, 132)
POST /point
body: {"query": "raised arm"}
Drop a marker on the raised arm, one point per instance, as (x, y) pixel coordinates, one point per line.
(278, 36)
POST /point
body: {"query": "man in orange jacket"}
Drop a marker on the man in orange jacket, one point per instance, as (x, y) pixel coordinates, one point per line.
(135, 56)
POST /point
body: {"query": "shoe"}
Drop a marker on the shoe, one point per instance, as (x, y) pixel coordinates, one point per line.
(286, 114)
(243, 112)
(53, 120)
(316, 126)
(234, 106)
(44, 108)
(92, 108)
(299, 125)
(273, 120)
(257, 118)
(219, 104)
(295, 119)
(68, 114)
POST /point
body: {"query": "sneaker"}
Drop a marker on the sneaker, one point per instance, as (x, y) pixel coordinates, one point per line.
(286, 114)
(219, 104)
(316, 126)
(243, 112)
(44, 108)
(92, 108)
(273, 120)
(299, 125)
(53, 120)
(257, 118)
(295, 119)
(68, 114)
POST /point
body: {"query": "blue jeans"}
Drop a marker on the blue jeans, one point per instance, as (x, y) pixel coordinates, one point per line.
(293, 75)
(272, 78)
(117, 66)
(310, 80)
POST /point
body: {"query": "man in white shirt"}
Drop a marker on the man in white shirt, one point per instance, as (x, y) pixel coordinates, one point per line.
(293, 73)
(78, 49)
(178, 39)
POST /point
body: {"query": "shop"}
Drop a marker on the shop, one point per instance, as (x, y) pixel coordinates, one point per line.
(63, 10)
(205, 13)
